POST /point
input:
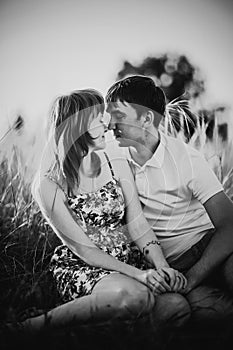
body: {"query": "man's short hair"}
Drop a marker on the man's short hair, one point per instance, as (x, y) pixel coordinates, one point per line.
(140, 91)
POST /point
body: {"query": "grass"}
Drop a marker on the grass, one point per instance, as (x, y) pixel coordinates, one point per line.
(27, 243)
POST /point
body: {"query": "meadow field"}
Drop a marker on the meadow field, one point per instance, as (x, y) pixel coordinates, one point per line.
(27, 243)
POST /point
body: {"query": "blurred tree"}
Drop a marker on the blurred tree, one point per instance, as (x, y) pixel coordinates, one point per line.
(174, 73)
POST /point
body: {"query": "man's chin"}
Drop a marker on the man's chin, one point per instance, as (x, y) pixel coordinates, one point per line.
(122, 142)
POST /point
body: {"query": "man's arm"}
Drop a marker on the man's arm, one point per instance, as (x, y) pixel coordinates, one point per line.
(220, 210)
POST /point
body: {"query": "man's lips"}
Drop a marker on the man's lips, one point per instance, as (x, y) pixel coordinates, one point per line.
(117, 133)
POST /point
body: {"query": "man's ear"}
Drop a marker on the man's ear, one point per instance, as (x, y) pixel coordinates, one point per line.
(148, 118)
(152, 118)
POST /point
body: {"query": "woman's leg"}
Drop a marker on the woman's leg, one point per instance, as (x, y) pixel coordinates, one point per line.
(115, 296)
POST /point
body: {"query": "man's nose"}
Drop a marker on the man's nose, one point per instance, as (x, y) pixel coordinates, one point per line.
(111, 124)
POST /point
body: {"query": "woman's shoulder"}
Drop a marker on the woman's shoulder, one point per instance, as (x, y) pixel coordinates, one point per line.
(118, 162)
(45, 186)
(114, 152)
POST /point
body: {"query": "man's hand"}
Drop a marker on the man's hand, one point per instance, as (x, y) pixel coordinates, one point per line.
(192, 278)
(174, 278)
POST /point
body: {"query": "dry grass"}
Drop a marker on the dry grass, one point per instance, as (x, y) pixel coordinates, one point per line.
(26, 245)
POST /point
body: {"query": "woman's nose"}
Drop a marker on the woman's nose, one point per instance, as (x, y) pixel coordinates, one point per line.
(105, 126)
(111, 124)
(106, 120)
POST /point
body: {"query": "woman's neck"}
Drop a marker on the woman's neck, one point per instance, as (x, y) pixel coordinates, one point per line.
(90, 165)
(86, 166)
(94, 172)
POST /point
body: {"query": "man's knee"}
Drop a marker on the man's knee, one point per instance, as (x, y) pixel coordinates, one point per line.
(171, 309)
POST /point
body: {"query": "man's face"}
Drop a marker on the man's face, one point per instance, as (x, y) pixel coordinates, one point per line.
(126, 126)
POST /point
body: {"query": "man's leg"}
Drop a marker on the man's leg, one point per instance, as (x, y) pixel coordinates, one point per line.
(210, 304)
(171, 310)
(168, 318)
(227, 274)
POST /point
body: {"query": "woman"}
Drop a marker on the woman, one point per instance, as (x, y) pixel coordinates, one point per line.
(99, 271)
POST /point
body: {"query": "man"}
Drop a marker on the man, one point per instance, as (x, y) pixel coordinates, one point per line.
(182, 199)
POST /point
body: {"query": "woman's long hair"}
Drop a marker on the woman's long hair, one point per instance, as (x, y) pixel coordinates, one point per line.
(70, 117)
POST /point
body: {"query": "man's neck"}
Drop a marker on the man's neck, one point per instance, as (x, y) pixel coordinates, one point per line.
(142, 153)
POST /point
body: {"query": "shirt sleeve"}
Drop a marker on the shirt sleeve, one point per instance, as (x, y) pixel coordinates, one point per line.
(205, 183)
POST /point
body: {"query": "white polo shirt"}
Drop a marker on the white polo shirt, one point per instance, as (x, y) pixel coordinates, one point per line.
(173, 185)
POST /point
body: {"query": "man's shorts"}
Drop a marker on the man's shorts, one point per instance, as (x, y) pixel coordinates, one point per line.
(191, 256)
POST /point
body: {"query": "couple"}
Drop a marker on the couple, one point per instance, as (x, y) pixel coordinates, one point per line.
(140, 232)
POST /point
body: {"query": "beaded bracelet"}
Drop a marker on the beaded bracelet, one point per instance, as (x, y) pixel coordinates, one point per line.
(149, 243)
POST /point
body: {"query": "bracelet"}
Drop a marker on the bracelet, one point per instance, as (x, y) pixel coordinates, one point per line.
(149, 243)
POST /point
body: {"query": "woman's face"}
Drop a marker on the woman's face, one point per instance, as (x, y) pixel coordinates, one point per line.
(97, 129)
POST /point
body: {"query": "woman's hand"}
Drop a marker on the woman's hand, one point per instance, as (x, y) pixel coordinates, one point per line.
(154, 280)
(174, 278)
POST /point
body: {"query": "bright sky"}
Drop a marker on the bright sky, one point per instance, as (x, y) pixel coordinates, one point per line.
(50, 47)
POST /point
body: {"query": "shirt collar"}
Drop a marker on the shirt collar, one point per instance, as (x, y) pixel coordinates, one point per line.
(157, 158)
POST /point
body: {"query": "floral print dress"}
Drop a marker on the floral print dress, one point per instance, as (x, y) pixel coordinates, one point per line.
(101, 216)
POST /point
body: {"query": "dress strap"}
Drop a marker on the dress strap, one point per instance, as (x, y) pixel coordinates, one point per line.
(110, 165)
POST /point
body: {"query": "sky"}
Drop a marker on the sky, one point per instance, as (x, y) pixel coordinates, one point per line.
(50, 47)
